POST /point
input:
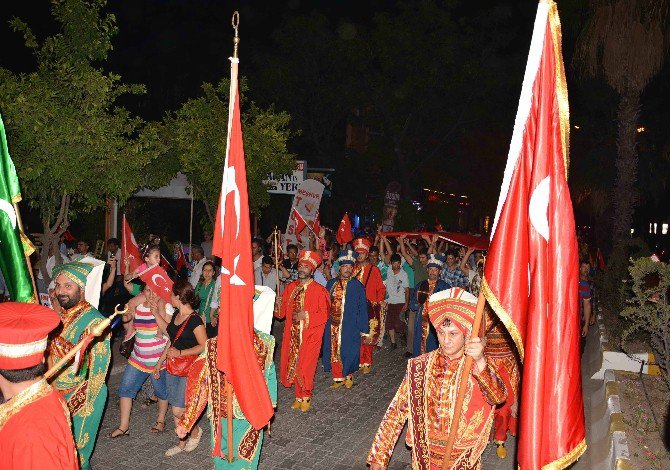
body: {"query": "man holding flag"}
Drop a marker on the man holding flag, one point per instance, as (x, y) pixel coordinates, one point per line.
(426, 396)
(204, 388)
(375, 292)
(531, 271)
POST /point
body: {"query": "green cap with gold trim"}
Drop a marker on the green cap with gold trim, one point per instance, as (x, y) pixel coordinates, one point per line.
(76, 271)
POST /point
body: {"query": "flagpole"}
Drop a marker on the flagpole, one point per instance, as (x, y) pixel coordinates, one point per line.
(190, 227)
(233, 89)
(275, 239)
(462, 386)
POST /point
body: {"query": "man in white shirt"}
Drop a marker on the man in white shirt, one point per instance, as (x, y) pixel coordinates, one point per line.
(198, 260)
(257, 252)
(206, 244)
(267, 274)
(397, 291)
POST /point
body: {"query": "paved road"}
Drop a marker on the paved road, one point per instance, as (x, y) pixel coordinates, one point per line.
(335, 434)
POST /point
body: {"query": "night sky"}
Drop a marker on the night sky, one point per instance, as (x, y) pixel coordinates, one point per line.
(173, 46)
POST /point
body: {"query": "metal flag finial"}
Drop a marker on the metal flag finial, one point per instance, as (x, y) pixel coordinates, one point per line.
(236, 24)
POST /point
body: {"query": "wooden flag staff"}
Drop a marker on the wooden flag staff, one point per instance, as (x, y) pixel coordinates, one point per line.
(462, 386)
(276, 239)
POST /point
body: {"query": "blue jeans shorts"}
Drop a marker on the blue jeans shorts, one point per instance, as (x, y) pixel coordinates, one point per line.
(176, 390)
(132, 381)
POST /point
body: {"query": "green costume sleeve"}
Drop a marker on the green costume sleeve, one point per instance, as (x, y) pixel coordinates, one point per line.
(86, 421)
(98, 362)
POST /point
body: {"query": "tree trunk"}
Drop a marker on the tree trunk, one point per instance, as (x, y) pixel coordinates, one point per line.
(208, 209)
(51, 236)
(625, 194)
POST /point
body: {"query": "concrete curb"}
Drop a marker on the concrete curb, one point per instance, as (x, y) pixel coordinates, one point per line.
(617, 360)
(610, 449)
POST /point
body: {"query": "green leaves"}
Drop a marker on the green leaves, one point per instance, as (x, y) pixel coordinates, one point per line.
(195, 136)
(66, 134)
(648, 309)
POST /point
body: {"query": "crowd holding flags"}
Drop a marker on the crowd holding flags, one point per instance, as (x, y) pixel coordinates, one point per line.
(531, 272)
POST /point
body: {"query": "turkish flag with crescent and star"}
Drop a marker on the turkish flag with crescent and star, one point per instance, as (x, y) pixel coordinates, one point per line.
(130, 252)
(300, 223)
(531, 273)
(158, 281)
(344, 234)
(236, 356)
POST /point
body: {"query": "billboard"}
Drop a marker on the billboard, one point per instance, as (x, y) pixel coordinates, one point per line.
(287, 184)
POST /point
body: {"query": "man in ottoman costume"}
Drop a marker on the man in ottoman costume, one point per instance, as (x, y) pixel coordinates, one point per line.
(375, 292)
(348, 320)
(205, 386)
(424, 336)
(82, 383)
(35, 429)
(305, 305)
(427, 394)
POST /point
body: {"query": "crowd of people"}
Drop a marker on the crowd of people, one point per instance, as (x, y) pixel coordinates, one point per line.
(339, 304)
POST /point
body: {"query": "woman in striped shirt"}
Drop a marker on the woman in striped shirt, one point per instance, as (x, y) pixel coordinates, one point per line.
(145, 360)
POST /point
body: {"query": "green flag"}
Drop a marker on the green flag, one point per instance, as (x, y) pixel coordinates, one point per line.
(12, 258)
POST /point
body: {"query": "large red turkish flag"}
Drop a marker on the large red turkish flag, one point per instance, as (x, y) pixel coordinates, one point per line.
(232, 243)
(129, 250)
(531, 272)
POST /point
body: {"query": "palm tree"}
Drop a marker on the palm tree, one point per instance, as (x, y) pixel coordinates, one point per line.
(626, 42)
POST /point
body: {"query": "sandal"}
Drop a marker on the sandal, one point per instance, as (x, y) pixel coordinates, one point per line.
(159, 427)
(148, 402)
(122, 433)
(193, 441)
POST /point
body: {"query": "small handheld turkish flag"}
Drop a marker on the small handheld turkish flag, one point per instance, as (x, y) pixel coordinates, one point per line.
(158, 281)
(129, 250)
(344, 234)
(181, 260)
(300, 223)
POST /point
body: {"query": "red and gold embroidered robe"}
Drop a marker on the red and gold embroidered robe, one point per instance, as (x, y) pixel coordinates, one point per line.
(375, 292)
(425, 398)
(302, 340)
(501, 354)
(205, 385)
(35, 431)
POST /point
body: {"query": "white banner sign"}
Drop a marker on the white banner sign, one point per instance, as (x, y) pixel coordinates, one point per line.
(287, 184)
(306, 202)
